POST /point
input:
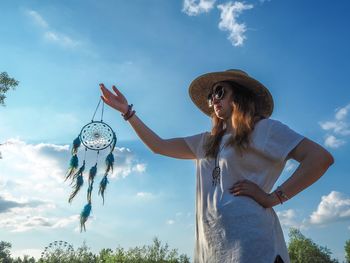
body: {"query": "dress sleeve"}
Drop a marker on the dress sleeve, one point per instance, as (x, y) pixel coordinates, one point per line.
(281, 139)
(195, 142)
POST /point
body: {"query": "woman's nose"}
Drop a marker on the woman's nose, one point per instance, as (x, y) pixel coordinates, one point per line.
(215, 101)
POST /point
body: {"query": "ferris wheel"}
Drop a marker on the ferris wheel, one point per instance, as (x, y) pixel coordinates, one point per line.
(57, 250)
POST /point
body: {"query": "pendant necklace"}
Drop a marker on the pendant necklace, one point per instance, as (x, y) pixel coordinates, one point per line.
(216, 171)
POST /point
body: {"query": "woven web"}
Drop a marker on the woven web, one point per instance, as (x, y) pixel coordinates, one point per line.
(96, 135)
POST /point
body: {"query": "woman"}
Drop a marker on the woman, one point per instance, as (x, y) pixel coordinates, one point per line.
(237, 164)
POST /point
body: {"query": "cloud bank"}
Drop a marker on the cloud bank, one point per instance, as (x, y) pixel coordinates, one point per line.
(33, 191)
(229, 13)
(338, 129)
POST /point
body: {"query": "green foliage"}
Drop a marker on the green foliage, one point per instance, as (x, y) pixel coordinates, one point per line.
(155, 253)
(347, 251)
(5, 84)
(5, 255)
(26, 259)
(304, 250)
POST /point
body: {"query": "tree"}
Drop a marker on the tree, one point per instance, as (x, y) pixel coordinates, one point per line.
(5, 255)
(62, 252)
(26, 259)
(304, 250)
(5, 84)
(347, 251)
(155, 253)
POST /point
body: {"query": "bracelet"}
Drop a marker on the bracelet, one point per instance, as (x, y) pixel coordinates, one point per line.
(282, 193)
(129, 109)
(279, 197)
(129, 113)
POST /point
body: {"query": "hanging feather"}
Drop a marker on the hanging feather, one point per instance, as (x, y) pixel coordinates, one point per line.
(92, 175)
(103, 185)
(77, 186)
(84, 216)
(76, 144)
(79, 172)
(73, 166)
(96, 136)
(109, 162)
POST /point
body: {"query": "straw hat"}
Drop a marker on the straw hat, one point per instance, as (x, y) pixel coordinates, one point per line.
(202, 85)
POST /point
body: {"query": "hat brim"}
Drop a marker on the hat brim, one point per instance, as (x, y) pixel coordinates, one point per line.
(201, 86)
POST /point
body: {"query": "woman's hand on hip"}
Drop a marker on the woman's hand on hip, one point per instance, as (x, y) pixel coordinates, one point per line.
(116, 101)
(251, 189)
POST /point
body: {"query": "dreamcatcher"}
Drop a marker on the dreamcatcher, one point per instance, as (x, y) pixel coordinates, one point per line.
(95, 136)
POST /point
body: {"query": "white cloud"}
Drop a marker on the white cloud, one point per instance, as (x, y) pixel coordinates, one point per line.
(287, 218)
(32, 252)
(37, 18)
(228, 21)
(61, 39)
(50, 34)
(126, 163)
(140, 168)
(37, 167)
(145, 196)
(333, 207)
(23, 215)
(342, 112)
(8, 203)
(170, 222)
(196, 7)
(35, 173)
(43, 162)
(332, 142)
(339, 126)
(24, 223)
(181, 219)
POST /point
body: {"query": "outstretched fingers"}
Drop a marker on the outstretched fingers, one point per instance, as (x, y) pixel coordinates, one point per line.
(107, 94)
(118, 93)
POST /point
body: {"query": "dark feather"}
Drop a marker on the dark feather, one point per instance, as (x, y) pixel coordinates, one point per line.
(103, 185)
(77, 186)
(85, 213)
(92, 175)
(76, 144)
(73, 166)
(109, 162)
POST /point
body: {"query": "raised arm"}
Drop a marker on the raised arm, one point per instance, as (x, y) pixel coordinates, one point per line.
(314, 162)
(175, 147)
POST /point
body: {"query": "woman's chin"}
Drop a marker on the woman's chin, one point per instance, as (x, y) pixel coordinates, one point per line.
(220, 115)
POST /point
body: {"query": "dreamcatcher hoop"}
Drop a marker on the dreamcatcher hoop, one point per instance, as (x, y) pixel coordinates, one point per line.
(95, 136)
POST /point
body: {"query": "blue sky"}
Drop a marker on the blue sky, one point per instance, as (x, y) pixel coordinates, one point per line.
(152, 50)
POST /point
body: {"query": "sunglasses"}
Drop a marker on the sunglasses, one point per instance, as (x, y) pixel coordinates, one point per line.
(218, 94)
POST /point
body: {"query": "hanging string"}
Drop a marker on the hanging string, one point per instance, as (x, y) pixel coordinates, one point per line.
(96, 110)
(98, 152)
(103, 105)
(85, 153)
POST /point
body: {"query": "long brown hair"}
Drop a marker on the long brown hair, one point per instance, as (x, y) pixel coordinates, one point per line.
(245, 115)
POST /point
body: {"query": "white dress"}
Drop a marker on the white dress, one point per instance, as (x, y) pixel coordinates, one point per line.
(236, 228)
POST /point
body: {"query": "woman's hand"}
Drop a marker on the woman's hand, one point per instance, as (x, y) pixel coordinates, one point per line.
(248, 188)
(116, 101)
